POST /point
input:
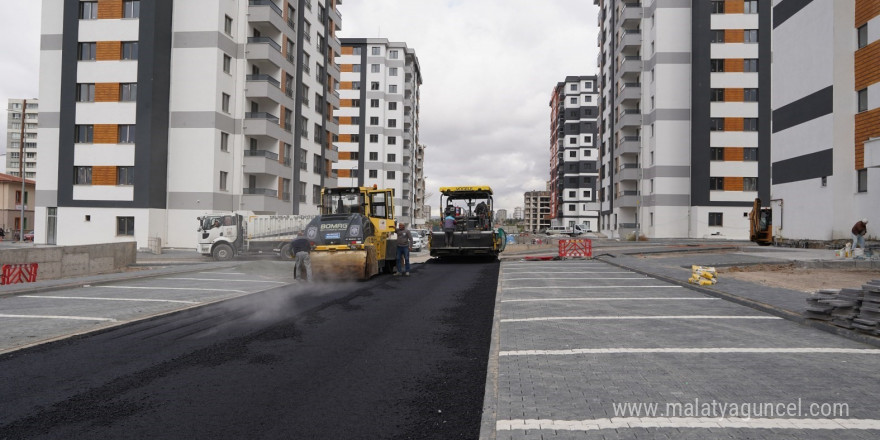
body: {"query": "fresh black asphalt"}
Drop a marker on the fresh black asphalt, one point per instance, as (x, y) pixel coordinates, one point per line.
(393, 357)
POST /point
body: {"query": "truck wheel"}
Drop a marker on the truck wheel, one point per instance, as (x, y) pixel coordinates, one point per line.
(222, 252)
(285, 252)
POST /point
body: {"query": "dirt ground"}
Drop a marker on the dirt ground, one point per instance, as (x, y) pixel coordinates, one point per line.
(802, 279)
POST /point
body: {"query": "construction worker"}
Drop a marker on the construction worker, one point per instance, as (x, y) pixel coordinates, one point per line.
(858, 233)
(302, 264)
(404, 244)
(449, 228)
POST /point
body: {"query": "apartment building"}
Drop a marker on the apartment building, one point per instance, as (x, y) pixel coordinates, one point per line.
(156, 112)
(11, 198)
(379, 122)
(826, 117)
(684, 132)
(518, 213)
(15, 121)
(536, 211)
(574, 156)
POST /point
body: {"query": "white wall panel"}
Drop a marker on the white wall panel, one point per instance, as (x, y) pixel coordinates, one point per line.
(734, 21)
(733, 168)
(733, 138)
(106, 71)
(103, 155)
(733, 80)
(734, 109)
(108, 30)
(734, 50)
(103, 192)
(106, 113)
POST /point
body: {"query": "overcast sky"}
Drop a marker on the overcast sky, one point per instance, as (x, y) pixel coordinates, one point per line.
(488, 69)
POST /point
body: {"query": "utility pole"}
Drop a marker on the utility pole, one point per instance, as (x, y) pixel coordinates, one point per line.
(21, 170)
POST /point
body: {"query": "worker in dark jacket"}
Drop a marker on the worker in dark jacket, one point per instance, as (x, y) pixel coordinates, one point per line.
(858, 232)
(404, 244)
(302, 264)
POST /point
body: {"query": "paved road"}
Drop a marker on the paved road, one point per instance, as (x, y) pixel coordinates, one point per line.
(584, 349)
(394, 357)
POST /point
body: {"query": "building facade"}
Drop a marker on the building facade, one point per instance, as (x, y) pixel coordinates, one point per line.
(157, 112)
(379, 122)
(574, 156)
(16, 120)
(826, 124)
(11, 198)
(536, 211)
(684, 132)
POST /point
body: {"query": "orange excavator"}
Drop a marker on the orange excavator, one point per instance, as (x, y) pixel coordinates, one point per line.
(761, 224)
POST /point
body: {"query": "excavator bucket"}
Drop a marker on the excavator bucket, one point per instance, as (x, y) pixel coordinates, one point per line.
(339, 265)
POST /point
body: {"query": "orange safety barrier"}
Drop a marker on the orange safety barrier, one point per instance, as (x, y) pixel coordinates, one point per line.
(19, 273)
(576, 247)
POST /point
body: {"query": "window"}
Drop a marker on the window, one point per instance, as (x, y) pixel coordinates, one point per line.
(223, 177)
(750, 7)
(392, 88)
(374, 68)
(125, 175)
(88, 10)
(716, 219)
(317, 164)
(716, 124)
(392, 105)
(717, 95)
(824, 181)
(355, 68)
(374, 120)
(354, 138)
(573, 87)
(374, 174)
(588, 139)
(750, 154)
(374, 103)
(126, 134)
(393, 54)
(717, 66)
(863, 100)
(374, 155)
(573, 100)
(124, 225)
(316, 193)
(392, 158)
(572, 140)
(357, 50)
(84, 134)
(750, 95)
(717, 36)
(390, 175)
(716, 153)
(588, 99)
(227, 25)
(750, 183)
(227, 63)
(354, 102)
(750, 36)
(355, 85)
(392, 140)
(750, 65)
(85, 92)
(374, 138)
(862, 35)
(128, 91)
(86, 52)
(716, 183)
(376, 50)
(572, 153)
(82, 175)
(717, 6)
(224, 102)
(224, 141)
(571, 208)
(392, 71)
(392, 123)
(750, 124)
(863, 180)
(131, 9)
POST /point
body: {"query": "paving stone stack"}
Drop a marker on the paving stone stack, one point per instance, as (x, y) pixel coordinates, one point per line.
(857, 309)
(868, 320)
(818, 306)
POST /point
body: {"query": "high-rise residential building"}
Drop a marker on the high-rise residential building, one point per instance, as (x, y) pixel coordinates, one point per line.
(536, 211)
(574, 153)
(685, 116)
(500, 215)
(18, 118)
(826, 117)
(156, 112)
(518, 213)
(379, 121)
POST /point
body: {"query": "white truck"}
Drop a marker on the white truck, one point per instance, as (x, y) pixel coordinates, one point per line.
(224, 236)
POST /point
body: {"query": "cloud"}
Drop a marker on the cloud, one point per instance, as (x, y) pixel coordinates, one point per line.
(489, 67)
(20, 46)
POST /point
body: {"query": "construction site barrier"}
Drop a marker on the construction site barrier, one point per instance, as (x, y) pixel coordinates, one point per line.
(576, 247)
(19, 273)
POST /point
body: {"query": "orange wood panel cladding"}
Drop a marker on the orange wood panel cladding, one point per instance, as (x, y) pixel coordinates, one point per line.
(734, 7)
(108, 50)
(866, 10)
(733, 183)
(103, 175)
(106, 92)
(733, 154)
(106, 134)
(867, 126)
(109, 9)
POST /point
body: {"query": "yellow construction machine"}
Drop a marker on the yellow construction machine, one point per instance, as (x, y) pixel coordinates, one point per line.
(351, 236)
(761, 224)
(473, 209)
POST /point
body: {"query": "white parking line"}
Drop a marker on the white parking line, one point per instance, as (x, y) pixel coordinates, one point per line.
(574, 271)
(607, 318)
(685, 422)
(806, 350)
(170, 288)
(591, 287)
(77, 318)
(225, 279)
(650, 298)
(581, 278)
(110, 299)
(225, 273)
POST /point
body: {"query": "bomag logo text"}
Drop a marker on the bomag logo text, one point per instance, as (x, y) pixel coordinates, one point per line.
(334, 226)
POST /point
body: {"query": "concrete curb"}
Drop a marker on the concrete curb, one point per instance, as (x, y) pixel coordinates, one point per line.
(757, 305)
(490, 398)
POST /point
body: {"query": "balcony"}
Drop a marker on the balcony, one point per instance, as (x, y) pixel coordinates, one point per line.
(265, 12)
(631, 40)
(260, 192)
(264, 124)
(264, 87)
(630, 118)
(264, 200)
(630, 65)
(627, 199)
(629, 145)
(266, 49)
(264, 162)
(627, 171)
(631, 15)
(630, 93)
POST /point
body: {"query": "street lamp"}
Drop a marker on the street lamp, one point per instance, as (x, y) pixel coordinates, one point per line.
(21, 171)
